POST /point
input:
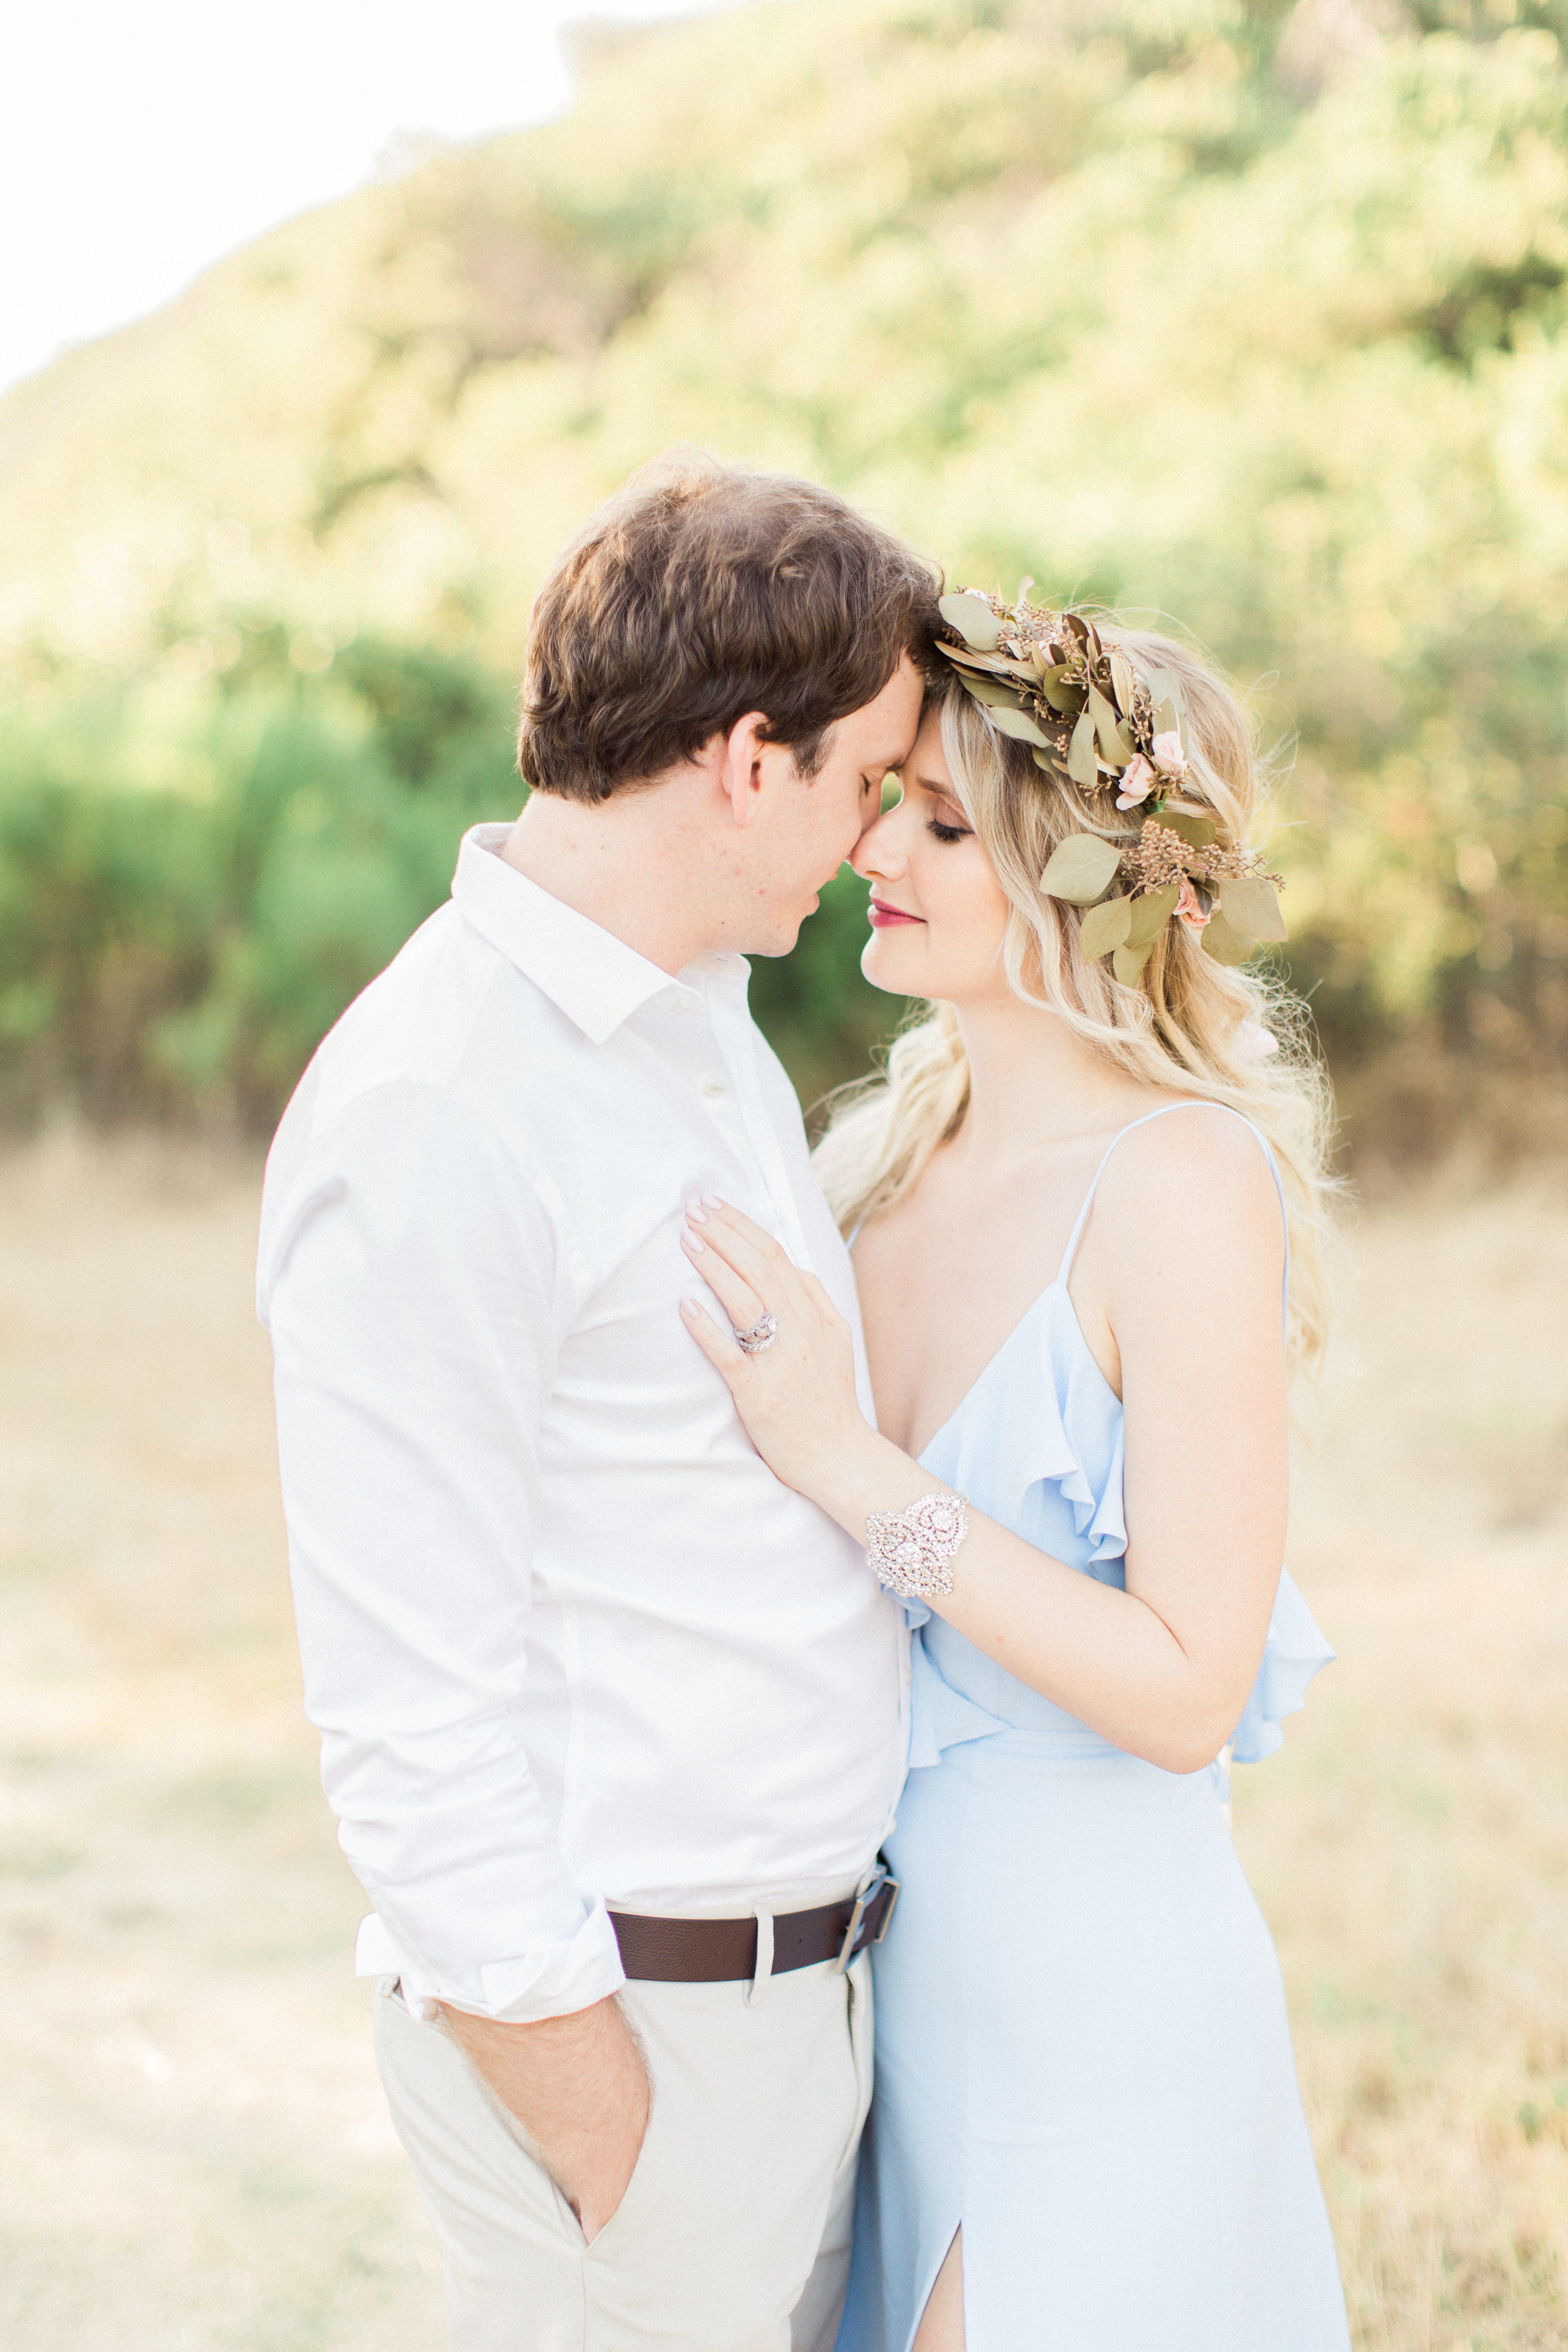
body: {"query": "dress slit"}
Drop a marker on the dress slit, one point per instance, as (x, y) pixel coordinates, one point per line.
(924, 2296)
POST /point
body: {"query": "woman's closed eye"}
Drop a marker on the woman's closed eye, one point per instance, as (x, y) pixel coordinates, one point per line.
(947, 823)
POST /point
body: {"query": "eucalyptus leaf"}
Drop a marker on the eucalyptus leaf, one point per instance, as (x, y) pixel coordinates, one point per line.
(992, 664)
(1250, 903)
(1166, 719)
(966, 658)
(1017, 724)
(1105, 927)
(1024, 584)
(972, 619)
(1111, 751)
(1122, 679)
(1223, 942)
(1151, 914)
(1197, 832)
(992, 690)
(1067, 699)
(1082, 766)
(1080, 869)
(1128, 964)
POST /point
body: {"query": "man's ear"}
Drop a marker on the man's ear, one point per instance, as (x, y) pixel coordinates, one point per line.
(745, 757)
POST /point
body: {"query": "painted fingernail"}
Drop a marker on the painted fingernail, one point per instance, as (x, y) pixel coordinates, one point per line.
(694, 1212)
(690, 1307)
(691, 1242)
(711, 1201)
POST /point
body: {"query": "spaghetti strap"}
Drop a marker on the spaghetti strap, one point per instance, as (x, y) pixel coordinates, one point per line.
(1197, 1103)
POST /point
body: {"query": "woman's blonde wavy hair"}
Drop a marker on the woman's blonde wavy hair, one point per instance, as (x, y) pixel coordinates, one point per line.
(1191, 1027)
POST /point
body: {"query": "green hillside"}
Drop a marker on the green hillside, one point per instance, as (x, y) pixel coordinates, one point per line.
(1252, 315)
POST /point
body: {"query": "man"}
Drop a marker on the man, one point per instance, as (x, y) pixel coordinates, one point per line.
(610, 1718)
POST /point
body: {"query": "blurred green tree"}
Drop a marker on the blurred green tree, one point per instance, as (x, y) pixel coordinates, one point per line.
(1249, 313)
(183, 944)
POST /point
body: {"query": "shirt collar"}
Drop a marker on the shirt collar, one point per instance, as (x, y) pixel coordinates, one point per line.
(595, 978)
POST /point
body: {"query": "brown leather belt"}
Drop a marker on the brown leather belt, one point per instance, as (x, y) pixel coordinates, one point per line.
(720, 1952)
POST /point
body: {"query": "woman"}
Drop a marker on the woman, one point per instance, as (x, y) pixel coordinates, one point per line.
(1086, 2134)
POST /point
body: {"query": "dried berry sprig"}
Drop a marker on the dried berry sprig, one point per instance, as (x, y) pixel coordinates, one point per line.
(1224, 896)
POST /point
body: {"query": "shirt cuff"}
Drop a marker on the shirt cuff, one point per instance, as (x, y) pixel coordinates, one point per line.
(553, 1981)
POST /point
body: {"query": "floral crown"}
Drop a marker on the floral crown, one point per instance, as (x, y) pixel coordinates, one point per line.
(1099, 719)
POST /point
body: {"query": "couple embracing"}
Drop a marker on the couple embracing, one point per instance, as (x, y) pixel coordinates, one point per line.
(738, 1590)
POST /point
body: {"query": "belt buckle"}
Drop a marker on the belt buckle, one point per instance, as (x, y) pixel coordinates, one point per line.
(881, 1883)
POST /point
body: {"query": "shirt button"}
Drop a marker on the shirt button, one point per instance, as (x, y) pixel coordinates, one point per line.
(713, 1087)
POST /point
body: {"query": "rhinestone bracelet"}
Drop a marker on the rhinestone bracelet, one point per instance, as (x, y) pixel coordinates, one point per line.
(911, 1552)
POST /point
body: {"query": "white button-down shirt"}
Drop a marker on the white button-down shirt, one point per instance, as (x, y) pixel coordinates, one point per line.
(567, 1640)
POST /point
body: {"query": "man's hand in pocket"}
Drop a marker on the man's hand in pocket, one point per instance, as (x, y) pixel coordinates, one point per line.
(579, 2088)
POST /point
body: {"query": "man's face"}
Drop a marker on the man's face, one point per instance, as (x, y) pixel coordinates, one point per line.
(812, 823)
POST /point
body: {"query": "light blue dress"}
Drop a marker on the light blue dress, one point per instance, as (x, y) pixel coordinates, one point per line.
(1082, 2050)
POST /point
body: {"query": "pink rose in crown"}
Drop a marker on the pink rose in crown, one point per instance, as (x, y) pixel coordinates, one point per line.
(1168, 756)
(1191, 909)
(1137, 782)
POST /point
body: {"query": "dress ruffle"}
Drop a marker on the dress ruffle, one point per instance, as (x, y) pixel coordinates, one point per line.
(1042, 1419)
(1043, 1413)
(1294, 1652)
(939, 1717)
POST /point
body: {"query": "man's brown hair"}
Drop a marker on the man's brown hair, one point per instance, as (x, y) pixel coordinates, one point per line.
(700, 592)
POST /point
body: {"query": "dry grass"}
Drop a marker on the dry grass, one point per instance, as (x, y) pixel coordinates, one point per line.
(1410, 1843)
(194, 2149)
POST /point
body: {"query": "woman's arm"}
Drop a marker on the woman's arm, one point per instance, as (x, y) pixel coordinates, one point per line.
(1187, 1276)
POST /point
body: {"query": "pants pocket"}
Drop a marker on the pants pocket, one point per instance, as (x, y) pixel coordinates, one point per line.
(508, 2242)
(861, 2029)
(629, 2198)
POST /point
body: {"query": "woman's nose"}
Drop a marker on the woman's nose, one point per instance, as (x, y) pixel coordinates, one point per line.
(876, 854)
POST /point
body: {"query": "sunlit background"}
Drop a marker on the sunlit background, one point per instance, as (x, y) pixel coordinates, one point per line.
(323, 329)
(137, 144)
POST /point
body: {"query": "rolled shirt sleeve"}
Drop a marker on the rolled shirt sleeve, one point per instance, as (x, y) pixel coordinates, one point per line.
(410, 1278)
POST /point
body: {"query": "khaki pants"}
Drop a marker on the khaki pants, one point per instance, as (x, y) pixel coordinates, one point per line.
(734, 2233)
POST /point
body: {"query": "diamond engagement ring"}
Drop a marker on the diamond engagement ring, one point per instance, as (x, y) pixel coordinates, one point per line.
(762, 1335)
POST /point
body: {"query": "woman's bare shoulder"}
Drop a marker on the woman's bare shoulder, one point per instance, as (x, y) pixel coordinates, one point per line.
(1200, 1175)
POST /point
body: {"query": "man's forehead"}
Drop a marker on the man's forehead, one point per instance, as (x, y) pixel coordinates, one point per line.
(896, 739)
(879, 735)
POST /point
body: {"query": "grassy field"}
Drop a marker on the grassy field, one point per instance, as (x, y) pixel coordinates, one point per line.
(194, 2150)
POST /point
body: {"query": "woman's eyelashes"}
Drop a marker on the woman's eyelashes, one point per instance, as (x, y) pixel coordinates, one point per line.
(948, 831)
